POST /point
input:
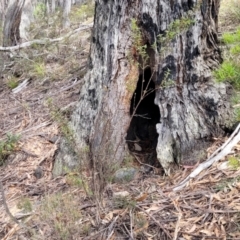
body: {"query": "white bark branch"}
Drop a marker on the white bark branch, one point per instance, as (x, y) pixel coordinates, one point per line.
(221, 152)
(45, 40)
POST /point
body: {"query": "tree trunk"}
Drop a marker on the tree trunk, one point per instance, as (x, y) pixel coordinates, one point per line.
(11, 33)
(149, 89)
(26, 19)
(66, 11)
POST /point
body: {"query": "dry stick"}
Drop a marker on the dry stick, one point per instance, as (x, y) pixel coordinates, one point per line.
(157, 222)
(6, 206)
(44, 41)
(221, 152)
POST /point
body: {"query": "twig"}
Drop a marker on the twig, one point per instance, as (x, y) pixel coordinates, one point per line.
(157, 222)
(44, 41)
(221, 152)
(6, 206)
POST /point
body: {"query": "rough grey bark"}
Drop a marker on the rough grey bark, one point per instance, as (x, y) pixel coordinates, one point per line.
(11, 32)
(190, 108)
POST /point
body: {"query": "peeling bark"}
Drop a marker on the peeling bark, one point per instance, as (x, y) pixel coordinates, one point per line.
(192, 108)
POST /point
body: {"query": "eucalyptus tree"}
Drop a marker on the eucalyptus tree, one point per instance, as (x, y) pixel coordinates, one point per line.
(149, 91)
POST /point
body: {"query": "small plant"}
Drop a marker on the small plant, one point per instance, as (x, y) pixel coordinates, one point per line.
(124, 202)
(12, 82)
(139, 48)
(62, 120)
(229, 71)
(25, 204)
(39, 11)
(7, 146)
(175, 28)
(61, 212)
(234, 162)
(39, 69)
(79, 14)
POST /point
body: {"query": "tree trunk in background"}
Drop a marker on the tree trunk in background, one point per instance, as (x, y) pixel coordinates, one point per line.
(3, 6)
(53, 6)
(26, 19)
(11, 32)
(66, 11)
(183, 109)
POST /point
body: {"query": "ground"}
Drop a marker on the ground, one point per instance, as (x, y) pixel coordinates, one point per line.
(65, 207)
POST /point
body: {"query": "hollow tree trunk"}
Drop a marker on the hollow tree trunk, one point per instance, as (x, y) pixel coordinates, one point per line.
(158, 100)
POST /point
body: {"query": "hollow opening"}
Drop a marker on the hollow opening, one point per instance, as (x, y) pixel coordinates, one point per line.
(142, 136)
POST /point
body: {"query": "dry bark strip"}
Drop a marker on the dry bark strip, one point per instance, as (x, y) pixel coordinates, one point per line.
(221, 152)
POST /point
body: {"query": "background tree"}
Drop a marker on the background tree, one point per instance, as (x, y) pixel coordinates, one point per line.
(11, 33)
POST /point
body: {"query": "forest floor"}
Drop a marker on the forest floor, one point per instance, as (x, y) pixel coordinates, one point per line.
(44, 207)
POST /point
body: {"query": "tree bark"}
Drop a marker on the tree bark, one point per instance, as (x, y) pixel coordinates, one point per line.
(66, 11)
(11, 32)
(161, 104)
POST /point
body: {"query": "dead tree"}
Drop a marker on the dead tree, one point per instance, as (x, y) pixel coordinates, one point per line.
(149, 89)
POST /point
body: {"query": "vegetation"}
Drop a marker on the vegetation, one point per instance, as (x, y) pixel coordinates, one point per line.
(63, 123)
(7, 146)
(25, 204)
(61, 212)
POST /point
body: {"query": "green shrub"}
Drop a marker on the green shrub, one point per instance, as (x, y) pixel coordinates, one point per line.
(12, 82)
(229, 71)
(61, 212)
(7, 147)
(230, 38)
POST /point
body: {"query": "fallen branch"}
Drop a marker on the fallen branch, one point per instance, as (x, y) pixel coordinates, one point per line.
(45, 40)
(221, 152)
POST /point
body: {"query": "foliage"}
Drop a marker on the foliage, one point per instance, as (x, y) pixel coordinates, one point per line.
(234, 162)
(229, 71)
(8, 146)
(61, 213)
(124, 202)
(39, 11)
(175, 28)
(12, 82)
(139, 48)
(229, 13)
(79, 14)
(39, 69)
(62, 121)
(25, 204)
(230, 38)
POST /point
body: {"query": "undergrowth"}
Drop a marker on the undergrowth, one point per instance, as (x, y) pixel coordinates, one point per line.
(229, 71)
(8, 146)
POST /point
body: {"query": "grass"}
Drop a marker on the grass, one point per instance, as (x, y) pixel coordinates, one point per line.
(61, 213)
(12, 82)
(229, 13)
(25, 204)
(7, 147)
(230, 72)
(234, 162)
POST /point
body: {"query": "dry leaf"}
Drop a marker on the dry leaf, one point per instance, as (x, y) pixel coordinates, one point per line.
(141, 197)
(108, 218)
(152, 208)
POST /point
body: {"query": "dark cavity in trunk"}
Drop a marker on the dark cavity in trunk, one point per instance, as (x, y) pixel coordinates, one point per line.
(142, 136)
